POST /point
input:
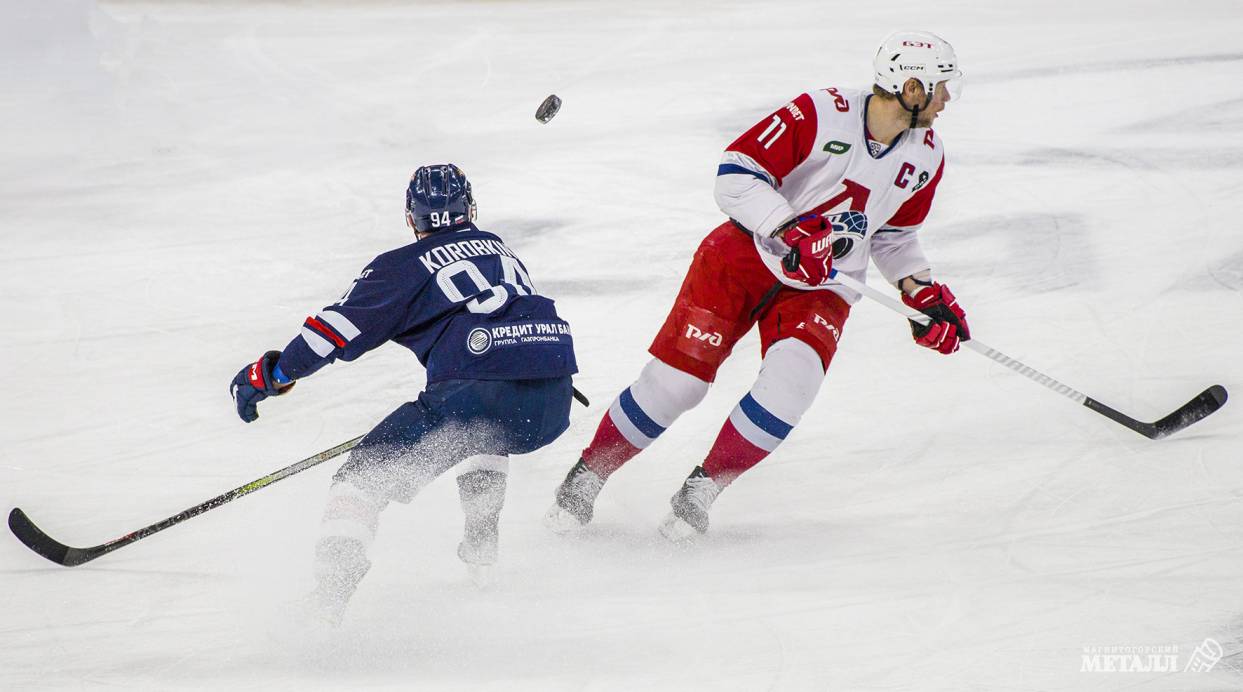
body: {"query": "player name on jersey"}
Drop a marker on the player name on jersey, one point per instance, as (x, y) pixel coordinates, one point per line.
(449, 253)
(454, 299)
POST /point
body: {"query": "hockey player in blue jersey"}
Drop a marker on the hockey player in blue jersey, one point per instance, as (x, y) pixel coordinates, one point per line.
(498, 362)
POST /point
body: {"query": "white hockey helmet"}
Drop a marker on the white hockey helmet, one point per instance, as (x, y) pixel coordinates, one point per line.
(919, 55)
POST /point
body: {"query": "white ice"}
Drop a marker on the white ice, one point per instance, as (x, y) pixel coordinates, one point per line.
(181, 182)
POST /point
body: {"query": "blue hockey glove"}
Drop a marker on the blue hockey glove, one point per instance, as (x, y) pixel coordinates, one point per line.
(256, 382)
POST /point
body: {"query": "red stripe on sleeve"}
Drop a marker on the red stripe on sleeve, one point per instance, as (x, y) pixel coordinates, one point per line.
(325, 331)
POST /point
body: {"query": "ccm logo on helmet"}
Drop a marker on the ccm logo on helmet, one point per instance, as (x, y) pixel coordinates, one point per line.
(713, 338)
(916, 44)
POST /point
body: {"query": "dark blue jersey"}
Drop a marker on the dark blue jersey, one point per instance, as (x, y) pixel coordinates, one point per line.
(461, 300)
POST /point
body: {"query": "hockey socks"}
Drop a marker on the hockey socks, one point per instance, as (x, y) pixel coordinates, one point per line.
(609, 449)
(348, 529)
(640, 414)
(787, 385)
(481, 487)
(749, 434)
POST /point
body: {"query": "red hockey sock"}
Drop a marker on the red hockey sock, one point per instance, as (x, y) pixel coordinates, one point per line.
(609, 449)
(731, 455)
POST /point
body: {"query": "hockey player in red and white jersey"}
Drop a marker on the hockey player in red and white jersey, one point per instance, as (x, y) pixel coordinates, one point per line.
(830, 180)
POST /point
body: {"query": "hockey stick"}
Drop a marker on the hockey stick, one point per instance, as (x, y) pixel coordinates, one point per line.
(34, 538)
(1197, 409)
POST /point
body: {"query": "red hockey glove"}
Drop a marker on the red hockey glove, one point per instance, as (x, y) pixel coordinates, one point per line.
(811, 250)
(949, 322)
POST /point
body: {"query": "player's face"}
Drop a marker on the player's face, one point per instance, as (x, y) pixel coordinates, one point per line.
(940, 97)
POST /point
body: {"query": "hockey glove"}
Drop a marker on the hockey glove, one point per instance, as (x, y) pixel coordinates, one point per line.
(949, 322)
(255, 383)
(811, 250)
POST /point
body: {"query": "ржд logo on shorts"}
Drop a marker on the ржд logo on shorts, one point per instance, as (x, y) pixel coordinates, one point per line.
(712, 338)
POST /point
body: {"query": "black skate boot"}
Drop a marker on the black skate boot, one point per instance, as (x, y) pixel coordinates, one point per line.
(690, 507)
(576, 498)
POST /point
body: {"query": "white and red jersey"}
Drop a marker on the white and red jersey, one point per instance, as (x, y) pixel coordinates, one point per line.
(811, 157)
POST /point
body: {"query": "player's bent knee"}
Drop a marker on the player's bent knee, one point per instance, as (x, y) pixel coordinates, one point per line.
(352, 512)
(664, 392)
(789, 379)
(484, 462)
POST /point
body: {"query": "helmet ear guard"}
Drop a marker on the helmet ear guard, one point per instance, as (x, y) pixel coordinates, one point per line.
(439, 198)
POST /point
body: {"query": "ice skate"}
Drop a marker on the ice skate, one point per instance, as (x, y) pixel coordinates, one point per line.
(340, 564)
(322, 609)
(309, 621)
(479, 547)
(478, 550)
(480, 563)
(690, 507)
(482, 493)
(575, 503)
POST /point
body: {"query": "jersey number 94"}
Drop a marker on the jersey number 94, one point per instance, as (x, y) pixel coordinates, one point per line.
(489, 298)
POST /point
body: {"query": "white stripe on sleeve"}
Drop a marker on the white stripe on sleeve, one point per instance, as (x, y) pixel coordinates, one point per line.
(321, 346)
(340, 323)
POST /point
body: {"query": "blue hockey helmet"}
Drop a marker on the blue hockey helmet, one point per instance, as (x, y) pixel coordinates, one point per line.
(439, 199)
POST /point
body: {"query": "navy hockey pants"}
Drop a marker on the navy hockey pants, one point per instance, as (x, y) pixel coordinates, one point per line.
(451, 421)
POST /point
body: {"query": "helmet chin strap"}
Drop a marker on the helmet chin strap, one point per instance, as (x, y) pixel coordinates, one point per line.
(914, 110)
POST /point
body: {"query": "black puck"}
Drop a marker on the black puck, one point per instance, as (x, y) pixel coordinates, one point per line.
(548, 108)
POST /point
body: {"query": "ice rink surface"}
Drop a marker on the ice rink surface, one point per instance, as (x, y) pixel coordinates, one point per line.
(182, 182)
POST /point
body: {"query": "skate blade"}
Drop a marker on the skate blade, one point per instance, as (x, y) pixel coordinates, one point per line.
(482, 576)
(676, 530)
(315, 615)
(561, 522)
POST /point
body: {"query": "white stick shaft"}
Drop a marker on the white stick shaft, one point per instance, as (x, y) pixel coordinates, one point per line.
(974, 344)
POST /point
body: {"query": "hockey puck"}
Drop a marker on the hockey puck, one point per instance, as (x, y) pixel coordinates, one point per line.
(548, 108)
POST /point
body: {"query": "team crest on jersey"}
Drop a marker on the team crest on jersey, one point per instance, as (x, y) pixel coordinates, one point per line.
(479, 341)
(923, 180)
(847, 227)
(836, 147)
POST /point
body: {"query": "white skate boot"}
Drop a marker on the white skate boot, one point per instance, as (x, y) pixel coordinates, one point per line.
(482, 494)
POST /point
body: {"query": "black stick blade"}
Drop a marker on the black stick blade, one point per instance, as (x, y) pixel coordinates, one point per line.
(1195, 410)
(34, 538)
